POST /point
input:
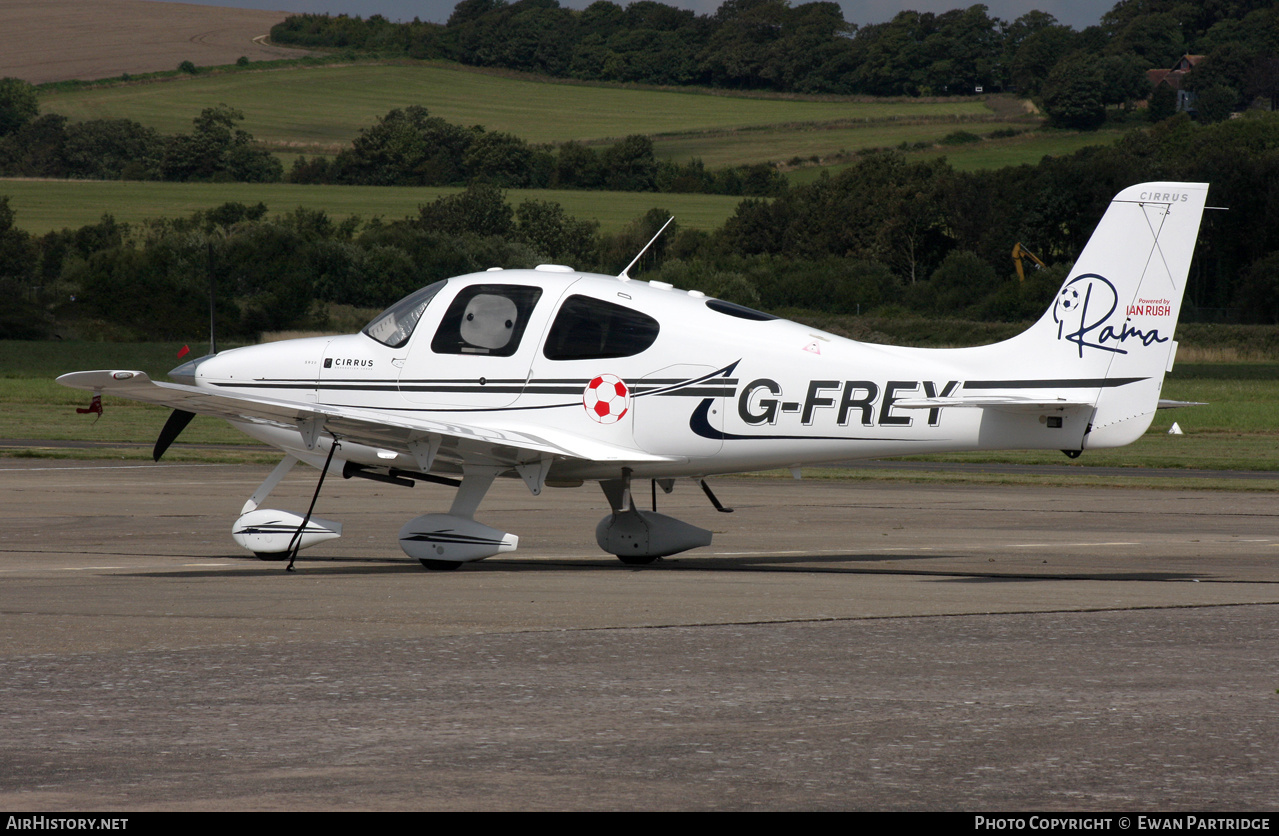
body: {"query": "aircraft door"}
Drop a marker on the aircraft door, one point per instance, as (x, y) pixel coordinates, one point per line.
(479, 354)
(679, 410)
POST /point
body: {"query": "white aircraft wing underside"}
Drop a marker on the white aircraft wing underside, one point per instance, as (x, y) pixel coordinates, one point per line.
(375, 428)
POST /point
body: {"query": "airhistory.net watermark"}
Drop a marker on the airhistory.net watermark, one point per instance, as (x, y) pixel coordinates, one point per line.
(64, 823)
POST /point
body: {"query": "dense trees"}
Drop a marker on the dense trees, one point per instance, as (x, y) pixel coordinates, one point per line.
(49, 146)
(409, 147)
(18, 104)
(406, 147)
(113, 149)
(886, 235)
(1032, 57)
(21, 317)
(923, 214)
(1072, 93)
(217, 150)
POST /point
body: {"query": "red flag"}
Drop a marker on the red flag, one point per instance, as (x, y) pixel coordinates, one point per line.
(95, 406)
(186, 349)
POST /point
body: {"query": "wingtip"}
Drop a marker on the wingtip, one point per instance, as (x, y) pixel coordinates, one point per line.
(101, 378)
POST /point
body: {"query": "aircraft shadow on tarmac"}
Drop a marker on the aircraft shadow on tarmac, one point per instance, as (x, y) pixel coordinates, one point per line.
(850, 563)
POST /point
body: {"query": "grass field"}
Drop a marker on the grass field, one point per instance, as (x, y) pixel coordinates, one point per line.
(33, 406)
(44, 205)
(1236, 431)
(1027, 149)
(325, 107)
(782, 143)
(1024, 149)
(320, 109)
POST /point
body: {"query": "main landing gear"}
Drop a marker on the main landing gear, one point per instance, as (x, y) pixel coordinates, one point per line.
(446, 541)
(639, 537)
(443, 542)
(271, 534)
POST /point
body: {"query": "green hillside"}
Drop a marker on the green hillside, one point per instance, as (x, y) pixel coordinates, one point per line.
(327, 106)
(319, 110)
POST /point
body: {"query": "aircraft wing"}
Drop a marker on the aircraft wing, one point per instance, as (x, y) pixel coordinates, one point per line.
(376, 428)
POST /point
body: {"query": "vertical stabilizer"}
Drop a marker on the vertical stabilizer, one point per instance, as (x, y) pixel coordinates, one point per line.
(1111, 325)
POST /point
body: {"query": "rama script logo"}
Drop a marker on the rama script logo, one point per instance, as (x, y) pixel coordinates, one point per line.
(1081, 313)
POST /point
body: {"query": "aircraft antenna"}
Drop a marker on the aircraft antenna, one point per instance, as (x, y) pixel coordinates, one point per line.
(624, 274)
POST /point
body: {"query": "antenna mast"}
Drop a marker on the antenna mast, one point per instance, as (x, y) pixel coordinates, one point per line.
(624, 275)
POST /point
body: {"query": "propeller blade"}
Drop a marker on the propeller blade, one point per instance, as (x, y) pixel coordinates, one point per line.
(178, 420)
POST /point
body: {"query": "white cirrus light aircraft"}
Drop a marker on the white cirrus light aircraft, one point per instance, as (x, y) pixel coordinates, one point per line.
(559, 377)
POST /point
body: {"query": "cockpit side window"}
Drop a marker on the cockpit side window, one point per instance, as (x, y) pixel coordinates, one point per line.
(592, 329)
(395, 325)
(486, 319)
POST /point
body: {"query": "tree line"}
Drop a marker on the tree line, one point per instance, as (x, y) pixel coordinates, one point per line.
(946, 236)
(151, 280)
(407, 147)
(811, 48)
(886, 236)
(49, 145)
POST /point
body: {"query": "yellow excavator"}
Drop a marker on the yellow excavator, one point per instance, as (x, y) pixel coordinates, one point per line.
(1020, 253)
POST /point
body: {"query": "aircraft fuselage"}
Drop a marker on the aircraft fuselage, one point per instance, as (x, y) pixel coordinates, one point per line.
(714, 392)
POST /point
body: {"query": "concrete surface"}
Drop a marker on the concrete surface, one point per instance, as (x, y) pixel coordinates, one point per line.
(841, 646)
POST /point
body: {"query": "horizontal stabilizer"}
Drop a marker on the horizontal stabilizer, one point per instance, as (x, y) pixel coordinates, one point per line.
(1006, 402)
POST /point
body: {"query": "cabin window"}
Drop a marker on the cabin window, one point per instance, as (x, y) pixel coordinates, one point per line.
(395, 325)
(592, 329)
(486, 319)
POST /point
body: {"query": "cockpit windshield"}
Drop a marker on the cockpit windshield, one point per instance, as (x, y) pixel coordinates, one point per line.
(395, 325)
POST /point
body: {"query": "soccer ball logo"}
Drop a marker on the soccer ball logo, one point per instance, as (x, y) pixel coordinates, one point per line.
(1089, 295)
(606, 399)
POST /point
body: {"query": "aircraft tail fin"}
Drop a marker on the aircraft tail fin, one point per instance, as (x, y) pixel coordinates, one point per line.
(1107, 338)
